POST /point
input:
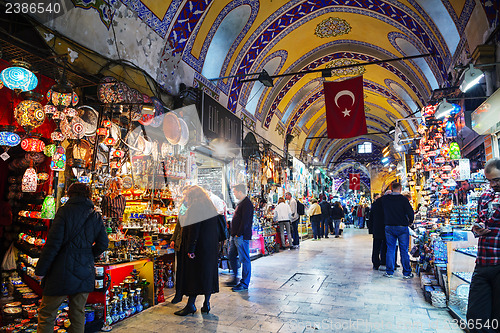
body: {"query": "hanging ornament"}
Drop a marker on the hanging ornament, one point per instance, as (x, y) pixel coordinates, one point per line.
(103, 131)
(8, 139)
(33, 145)
(18, 77)
(58, 162)
(454, 151)
(57, 136)
(48, 207)
(29, 182)
(451, 129)
(29, 112)
(49, 150)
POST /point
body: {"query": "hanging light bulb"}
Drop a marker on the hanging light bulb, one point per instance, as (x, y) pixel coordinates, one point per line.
(18, 77)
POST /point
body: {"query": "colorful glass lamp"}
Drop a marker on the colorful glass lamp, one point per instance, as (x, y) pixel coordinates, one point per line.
(30, 180)
(48, 207)
(18, 77)
(58, 162)
(29, 112)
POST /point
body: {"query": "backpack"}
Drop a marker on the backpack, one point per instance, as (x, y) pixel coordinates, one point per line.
(301, 209)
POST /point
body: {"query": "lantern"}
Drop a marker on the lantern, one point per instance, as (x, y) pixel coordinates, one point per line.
(446, 167)
(49, 110)
(102, 131)
(9, 139)
(18, 77)
(118, 153)
(49, 150)
(58, 162)
(29, 113)
(115, 165)
(30, 180)
(57, 136)
(454, 151)
(42, 177)
(70, 113)
(84, 179)
(109, 141)
(48, 208)
(451, 129)
(33, 145)
(106, 123)
(439, 160)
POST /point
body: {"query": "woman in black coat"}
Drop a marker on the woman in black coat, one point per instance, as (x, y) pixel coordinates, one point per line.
(199, 250)
(76, 236)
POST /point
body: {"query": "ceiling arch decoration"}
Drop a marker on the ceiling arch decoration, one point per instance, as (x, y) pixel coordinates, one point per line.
(343, 170)
(386, 12)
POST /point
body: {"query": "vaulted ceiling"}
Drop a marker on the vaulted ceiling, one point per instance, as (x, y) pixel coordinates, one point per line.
(191, 42)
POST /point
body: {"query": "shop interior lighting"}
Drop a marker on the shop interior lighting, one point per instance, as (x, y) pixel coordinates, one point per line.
(472, 76)
(19, 77)
(443, 109)
(385, 160)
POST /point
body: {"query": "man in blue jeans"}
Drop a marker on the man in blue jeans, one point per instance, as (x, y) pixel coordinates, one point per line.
(398, 215)
(241, 234)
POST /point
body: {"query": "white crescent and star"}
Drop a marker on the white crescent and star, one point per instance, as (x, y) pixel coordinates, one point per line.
(341, 93)
(354, 180)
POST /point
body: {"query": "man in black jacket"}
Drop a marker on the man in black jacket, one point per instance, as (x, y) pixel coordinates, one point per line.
(241, 234)
(398, 215)
(376, 227)
(76, 236)
(325, 217)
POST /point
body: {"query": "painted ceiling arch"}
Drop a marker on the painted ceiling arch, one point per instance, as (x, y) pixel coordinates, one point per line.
(298, 35)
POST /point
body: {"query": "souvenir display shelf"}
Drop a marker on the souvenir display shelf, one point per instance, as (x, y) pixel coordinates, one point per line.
(461, 263)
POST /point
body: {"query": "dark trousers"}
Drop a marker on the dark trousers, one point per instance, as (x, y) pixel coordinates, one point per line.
(295, 232)
(379, 252)
(484, 299)
(323, 228)
(48, 311)
(178, 275)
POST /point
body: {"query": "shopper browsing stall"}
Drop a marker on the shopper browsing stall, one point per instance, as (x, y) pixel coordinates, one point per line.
(76, 236)
(282, 215)
(315, 217)
(484, 293)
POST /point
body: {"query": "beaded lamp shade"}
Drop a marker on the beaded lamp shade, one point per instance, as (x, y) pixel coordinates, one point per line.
(9, 139)
(57, 136)
(49, 150)
(48, 208)
(454, 151)
(111, 91)
(30, 180)
(58, 162)
(29, 114)
(33, 145)
(19, 77)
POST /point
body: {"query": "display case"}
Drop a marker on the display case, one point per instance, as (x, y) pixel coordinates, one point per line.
(461, 263)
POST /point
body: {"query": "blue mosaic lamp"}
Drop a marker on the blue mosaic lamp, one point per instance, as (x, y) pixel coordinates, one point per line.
(8, 139)
(18, 77)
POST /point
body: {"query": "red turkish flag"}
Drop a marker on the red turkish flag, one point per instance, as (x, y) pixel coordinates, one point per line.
(354, 181)
(345, 108)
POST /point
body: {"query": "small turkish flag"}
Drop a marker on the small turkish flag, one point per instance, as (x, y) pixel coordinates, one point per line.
(345, 108)
(354, 181)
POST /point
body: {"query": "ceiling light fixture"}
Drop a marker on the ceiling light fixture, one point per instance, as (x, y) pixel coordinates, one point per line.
(471, 77)
(443, 109)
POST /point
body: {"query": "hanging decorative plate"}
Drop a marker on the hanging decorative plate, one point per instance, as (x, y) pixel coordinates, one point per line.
(106, 91)
(184, 132)
(77, 127)
(89, 117)
(172, 128)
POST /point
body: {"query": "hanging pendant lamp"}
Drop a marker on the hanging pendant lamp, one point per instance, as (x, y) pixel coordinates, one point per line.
(18, 77)
(30, 180)
(48, 207)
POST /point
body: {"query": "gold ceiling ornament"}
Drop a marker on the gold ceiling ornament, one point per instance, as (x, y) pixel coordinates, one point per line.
(356, 71)
(332, 27)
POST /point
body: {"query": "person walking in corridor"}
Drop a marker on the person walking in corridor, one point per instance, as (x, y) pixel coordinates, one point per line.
(484, 294)
(315, 217)
(337, 214)
(398, 215)
(241, 234)
(325, 217)
(377, 229)
(294, 219)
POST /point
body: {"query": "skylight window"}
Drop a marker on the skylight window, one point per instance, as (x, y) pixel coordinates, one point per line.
(365, 148)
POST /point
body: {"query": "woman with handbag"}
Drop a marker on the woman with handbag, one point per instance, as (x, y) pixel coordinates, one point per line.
(199, 250)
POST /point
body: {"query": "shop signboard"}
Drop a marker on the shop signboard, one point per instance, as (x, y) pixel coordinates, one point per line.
(220, 123)
(464, 169)
(485, 117)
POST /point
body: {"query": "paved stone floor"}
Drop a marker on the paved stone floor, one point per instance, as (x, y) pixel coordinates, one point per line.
(325, 286)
